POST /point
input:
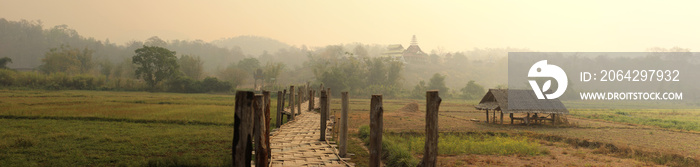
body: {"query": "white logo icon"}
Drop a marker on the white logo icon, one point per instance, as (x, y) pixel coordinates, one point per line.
(542, 69)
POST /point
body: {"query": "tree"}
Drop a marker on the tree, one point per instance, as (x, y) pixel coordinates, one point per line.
(437, 82)
(85, 60)
(155, 64)
(472, 91)
(272, 70)
(4, 61)
(155, 41)
(360, 51)
(106, 68)
(67, 60)
(191, 66)
(249, 64)
(419, 90)
(233, 75)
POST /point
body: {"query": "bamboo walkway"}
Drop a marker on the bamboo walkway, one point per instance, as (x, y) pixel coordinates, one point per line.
(297, 143)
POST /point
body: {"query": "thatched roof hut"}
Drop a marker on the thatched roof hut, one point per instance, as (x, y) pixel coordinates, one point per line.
(523, 101)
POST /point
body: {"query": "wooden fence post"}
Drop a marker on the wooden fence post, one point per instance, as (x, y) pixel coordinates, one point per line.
(266, 98)
(324, 112)
(432, 107)
(291, 102)
(375, 128)
(279, 109)
(328, 116)
(311, 99)
(284, 98)
(243, 129)
(344, 124)
(299, 100)
(259, 131)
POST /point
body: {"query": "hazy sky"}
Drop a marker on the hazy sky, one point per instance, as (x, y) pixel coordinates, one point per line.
(452, 25)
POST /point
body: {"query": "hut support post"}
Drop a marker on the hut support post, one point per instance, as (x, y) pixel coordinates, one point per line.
(527, 119)
(501, 117)
(511, 118)
(554, 120)
(487, 115)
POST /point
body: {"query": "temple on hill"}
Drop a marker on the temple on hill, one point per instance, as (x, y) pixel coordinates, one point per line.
(412, 54)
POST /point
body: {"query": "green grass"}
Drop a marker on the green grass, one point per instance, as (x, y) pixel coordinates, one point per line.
(127, 106)
(96, 143)
(100, 128)
(475, 143)
(680, 119)
(398, 149)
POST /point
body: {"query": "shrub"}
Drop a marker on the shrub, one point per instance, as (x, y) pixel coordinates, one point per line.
(184, 85)
(212, 84)
(7, 77)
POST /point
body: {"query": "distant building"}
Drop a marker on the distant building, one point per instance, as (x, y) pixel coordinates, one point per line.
(412, 54)
(395, 52)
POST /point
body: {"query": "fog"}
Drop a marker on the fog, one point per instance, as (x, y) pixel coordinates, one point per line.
(461, 41)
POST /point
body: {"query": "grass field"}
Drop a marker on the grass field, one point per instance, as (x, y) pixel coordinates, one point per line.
(104, 128)
(680, 119)
(88, 128)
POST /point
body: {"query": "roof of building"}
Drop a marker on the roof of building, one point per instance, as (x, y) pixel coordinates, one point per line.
(526, 101)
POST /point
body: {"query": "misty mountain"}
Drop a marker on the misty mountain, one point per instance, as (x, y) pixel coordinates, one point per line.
(26, 43)
(252, 45)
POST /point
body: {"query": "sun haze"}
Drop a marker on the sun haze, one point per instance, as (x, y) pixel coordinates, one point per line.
(451, 25)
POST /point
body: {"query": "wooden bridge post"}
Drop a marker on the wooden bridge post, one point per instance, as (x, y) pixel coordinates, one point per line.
(329, 104)
(280, 100)
(324, 112)
(432, 107)
(259, 131)
(311, 99)
(284, 98)
(291, 102)
(299, 99)
(344, 124)
(243, 129)
(266, 98)
(376, 128)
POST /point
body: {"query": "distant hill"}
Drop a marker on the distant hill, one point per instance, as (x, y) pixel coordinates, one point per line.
(251, 45)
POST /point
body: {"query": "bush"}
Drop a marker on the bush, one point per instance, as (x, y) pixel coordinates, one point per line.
(212, 84)
(7, 77)
(189, 85)
(184, 85)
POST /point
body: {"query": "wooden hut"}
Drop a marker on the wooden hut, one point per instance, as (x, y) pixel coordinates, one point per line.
(496, 100)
